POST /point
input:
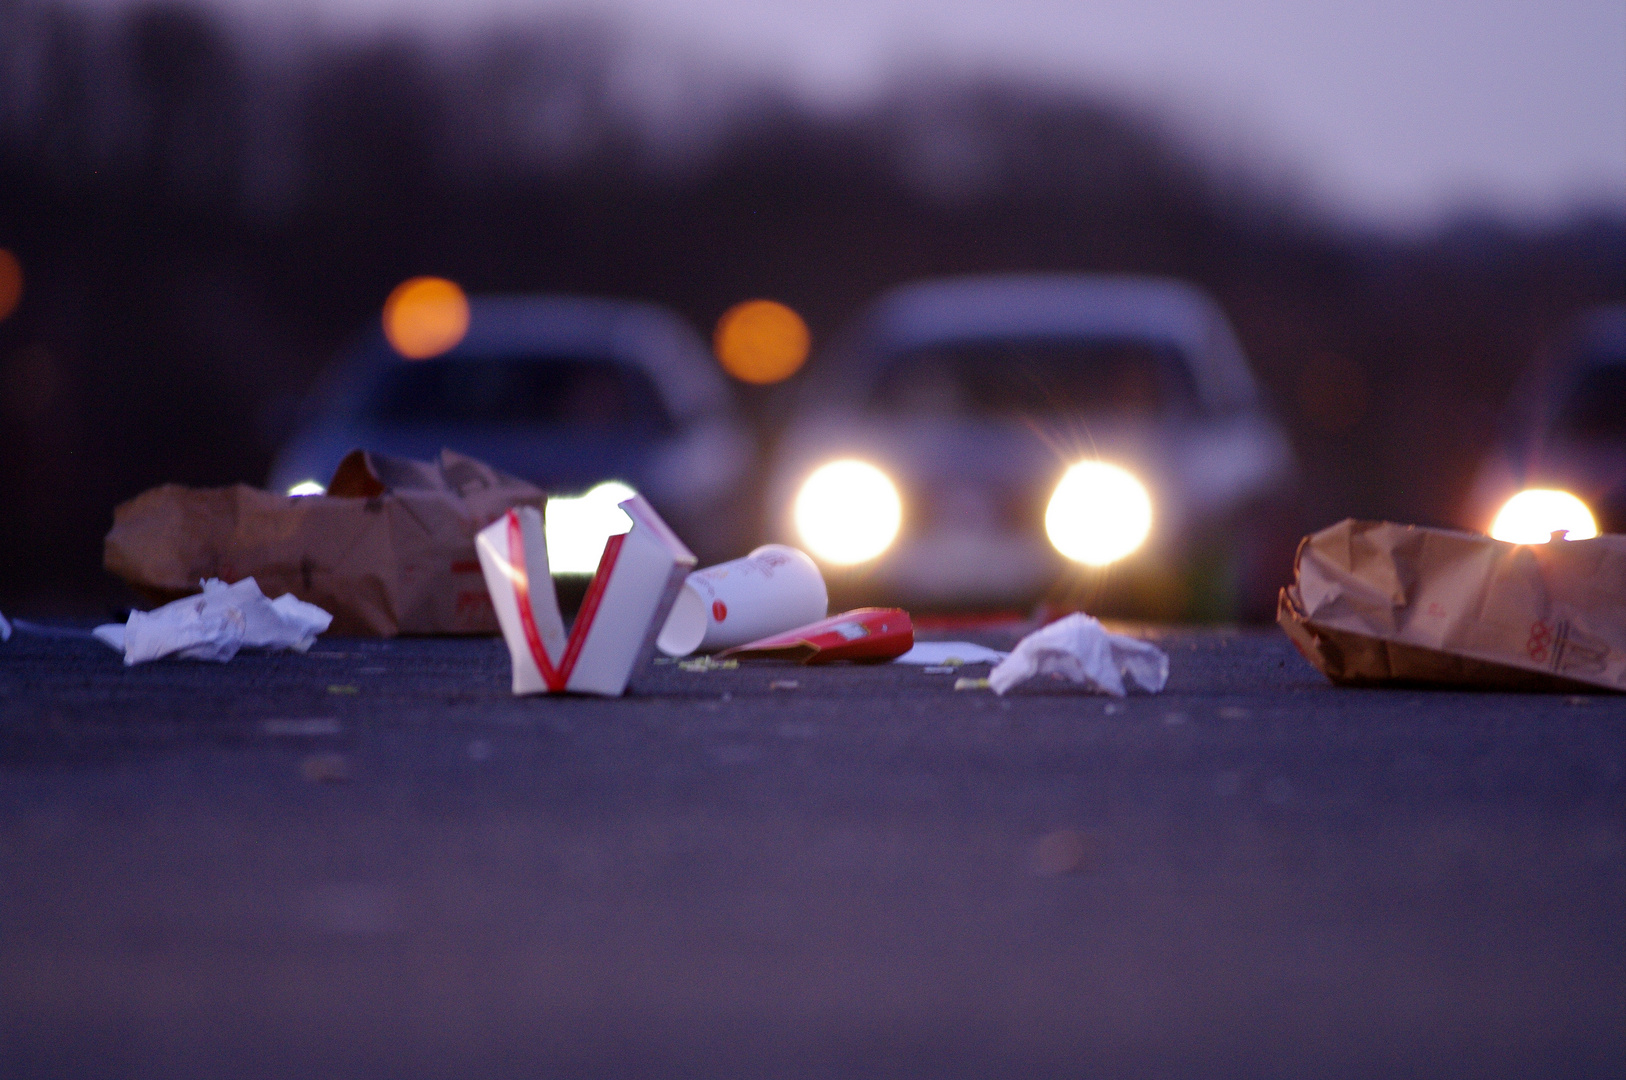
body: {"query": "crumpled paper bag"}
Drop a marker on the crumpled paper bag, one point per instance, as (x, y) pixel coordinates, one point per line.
(1080, 649)
(388, 550)
(215, 624)
(1374, 602)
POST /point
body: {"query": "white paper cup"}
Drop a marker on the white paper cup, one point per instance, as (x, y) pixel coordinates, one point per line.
(773, 589)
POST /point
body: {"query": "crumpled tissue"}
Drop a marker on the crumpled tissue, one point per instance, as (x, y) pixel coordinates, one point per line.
(216, 623)
(1079, 649)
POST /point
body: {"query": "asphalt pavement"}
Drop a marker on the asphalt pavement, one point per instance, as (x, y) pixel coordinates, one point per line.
(372, 861)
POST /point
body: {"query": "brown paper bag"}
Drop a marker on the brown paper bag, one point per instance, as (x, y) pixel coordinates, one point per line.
(1375, 602)
(388, 550)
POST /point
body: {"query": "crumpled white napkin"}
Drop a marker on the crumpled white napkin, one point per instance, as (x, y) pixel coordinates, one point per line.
(217, 622)
(1080, 649)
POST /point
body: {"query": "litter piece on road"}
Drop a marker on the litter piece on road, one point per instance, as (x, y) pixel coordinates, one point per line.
(1378, 603)
(865, 635)
(625, 607)
(773, 589)
(1080, 650)
(325, 768)
(949, 654)
(215, 624)
(388, 550)
(704, 662)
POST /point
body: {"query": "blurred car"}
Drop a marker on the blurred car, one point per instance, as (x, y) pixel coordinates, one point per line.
(995, 441)
(1560, 465)
(584, 397)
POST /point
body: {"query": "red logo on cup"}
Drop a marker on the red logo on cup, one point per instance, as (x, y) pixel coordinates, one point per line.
(1541, 635)
(719, 610)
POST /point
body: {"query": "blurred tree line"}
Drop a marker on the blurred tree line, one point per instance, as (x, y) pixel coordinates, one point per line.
(204, 216)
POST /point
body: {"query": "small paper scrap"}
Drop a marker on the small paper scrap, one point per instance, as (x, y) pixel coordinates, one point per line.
(950, 654)
(216, 623)
(1079, 649)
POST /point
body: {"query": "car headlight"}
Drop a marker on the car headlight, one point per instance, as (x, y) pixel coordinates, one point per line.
(1099, 513)
(847, 512)
(576, 528)
(1533, 515)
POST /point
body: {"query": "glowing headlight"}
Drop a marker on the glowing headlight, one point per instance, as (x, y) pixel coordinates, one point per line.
(576, 528)
(307, 487)
(1099, 514)
(847, 512)
(1531, 517)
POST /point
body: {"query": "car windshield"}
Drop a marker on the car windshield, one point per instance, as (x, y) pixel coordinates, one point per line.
(1595, 407)
(1037, 376)
(534, 391)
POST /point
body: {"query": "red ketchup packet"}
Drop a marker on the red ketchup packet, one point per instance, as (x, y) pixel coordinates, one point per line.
(869, 635)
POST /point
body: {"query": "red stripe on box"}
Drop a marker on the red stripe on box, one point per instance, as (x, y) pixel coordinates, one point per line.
(556, 678)
(590, 602)
(520, 576)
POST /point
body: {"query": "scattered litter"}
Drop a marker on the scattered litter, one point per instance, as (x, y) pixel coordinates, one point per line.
(215, 624)
(388, 550)
(627, 602)
(965, 683)
(708, 663)
(950, 654)
(773, 589)
(302, 727)
(1078, 648)
(325, 768)
(1375, 602)
(343, 688)
(1065, 851)
(938, 669)
(863, 634)
(65, 633)
(784, 684)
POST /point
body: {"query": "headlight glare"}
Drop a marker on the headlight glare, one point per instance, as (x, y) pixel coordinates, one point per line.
(1533, 515)
(1099, 514)
(576, 528)
(847, 512)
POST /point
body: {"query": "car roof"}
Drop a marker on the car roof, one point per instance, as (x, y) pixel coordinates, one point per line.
(1026, 305)
(642, 334)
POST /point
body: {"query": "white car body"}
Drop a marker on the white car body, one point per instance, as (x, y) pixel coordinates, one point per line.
(974, 481)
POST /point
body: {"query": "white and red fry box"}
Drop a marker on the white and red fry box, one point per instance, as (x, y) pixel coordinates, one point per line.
(626, 605)
(862, 634)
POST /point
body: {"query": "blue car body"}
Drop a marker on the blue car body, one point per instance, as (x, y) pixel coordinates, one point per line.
(566, 392)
